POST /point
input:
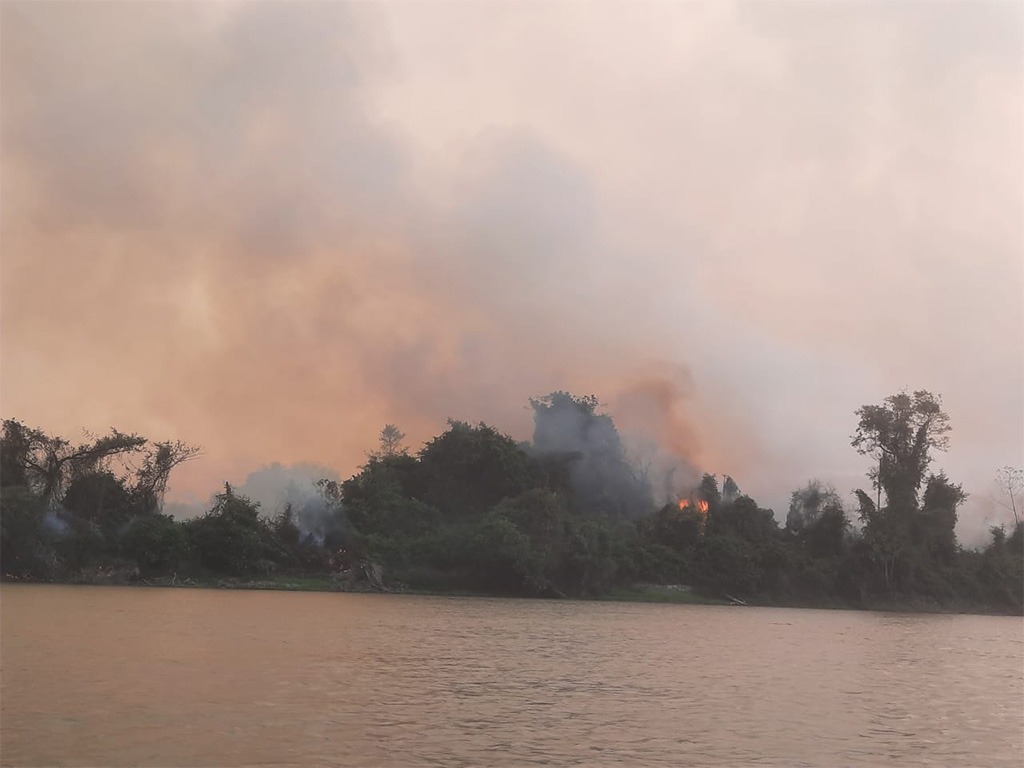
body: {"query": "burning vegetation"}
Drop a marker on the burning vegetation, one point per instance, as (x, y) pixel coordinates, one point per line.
(699, 509)
(566, 514)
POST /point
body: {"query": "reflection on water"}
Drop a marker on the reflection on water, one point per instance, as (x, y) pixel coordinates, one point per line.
(119, 676)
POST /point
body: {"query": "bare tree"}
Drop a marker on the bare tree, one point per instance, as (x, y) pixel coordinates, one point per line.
(47, 464)
(159, 460)
(50, 465)
(1011, 482)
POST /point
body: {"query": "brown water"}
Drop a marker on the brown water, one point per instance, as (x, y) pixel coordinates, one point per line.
(107, 676)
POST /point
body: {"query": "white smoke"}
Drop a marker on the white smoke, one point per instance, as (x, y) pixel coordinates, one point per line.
(277, 486)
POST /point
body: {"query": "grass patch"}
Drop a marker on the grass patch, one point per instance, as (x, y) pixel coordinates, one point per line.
(301, 583)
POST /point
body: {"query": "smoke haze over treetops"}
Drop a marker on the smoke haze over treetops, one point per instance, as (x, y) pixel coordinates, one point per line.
(270, 228)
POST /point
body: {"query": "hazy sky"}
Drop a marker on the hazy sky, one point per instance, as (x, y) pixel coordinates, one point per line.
(269, 228)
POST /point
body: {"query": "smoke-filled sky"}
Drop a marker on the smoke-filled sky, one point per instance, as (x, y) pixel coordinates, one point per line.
(269, 228)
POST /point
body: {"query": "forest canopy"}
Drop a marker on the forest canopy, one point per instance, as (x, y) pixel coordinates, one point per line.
(566, 514)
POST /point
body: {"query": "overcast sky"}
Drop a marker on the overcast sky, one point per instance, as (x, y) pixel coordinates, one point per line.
(269, 228)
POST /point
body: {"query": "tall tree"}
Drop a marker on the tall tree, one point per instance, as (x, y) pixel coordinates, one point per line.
(900, 435)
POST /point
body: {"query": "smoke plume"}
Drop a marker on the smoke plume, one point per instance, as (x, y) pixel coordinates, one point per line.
(271, 228)
(277, 487)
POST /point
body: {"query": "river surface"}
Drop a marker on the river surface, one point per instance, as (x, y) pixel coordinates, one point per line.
(115, 676)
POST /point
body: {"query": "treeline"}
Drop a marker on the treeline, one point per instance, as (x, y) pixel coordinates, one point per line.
(563, 515)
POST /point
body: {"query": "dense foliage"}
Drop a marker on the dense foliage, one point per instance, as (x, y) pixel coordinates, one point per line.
(566, 514)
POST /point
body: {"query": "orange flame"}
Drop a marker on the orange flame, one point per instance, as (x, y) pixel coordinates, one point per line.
(700, 507)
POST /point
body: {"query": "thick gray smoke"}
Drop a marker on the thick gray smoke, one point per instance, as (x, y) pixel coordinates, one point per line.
(414, 212)
(619, 475)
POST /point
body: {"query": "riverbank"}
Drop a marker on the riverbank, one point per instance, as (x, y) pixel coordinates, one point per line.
(640, 593)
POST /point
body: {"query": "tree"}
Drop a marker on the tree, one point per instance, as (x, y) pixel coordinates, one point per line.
(728, 564)
(825, 536)
(152, 476)
(807, 504)
(100, 498)
(156, 542)
(391, 438)
(533, 544)
(25, 540)
(1011, 483)
(708, 491)
(934, 528)
(16, 444)
(886, 536)
(900, 434)
(468, 469)
(285, 527)
(680, 528)
(730, 491)
(1001, 570)
(743, 519)
(47, 464)
(232, 538)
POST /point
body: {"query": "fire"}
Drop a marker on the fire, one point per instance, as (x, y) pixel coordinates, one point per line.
(702, 506)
